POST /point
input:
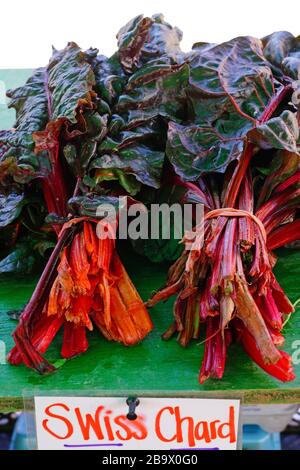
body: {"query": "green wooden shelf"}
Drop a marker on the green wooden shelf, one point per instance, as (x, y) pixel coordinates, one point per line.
(154, 367)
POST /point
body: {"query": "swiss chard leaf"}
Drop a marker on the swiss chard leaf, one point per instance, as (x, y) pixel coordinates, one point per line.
(230, 82)
(131, 39)
(162, 43)
(30, 103)
(89, 204)
(23, 259)
(51, 97)
(193, 150)
(145, 40)
(68, 86)
(109, 77)
(282, 50)
(140, 161)
(69, 83)
(149, 86)
(10, 207)
(277, 46)
(155, 90)
(280, 132)
(231, 88)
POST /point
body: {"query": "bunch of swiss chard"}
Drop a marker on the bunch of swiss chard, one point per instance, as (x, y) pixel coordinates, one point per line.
(222, 124)
(88, 129)
(239, 157)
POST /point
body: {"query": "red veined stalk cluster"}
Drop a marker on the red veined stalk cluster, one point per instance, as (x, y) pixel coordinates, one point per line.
(226, 280)
(87, 286)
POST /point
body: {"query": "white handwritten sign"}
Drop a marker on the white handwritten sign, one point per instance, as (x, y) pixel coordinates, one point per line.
(161, 423)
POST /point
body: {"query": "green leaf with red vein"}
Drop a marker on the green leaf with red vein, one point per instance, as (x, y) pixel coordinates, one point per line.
(155, 90)
(10, 208)
(56, 94)
(144, 40)
(139, 161)
(280, 132)
(193, 150)
(232, 92)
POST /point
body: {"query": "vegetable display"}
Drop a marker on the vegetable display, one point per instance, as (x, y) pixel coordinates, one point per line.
(216, 126)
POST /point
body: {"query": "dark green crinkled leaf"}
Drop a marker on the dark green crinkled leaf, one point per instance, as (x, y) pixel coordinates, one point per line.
(155, 90)
(163, 42)
(277, 46)
(10, 207)
(128, 181)
(69, 79)
(230, 82)
(291, 66)
(79, 157)
(83, 147)
(131, 39)
(152, 89)
(231, 85)
(137, 160)
(88, 204)
(30, 103)
(23, 259)
(281, 132)
(282, 49)
(128, 137)
(109, 77)
(145, 40)
(193, 150)
(52, 93)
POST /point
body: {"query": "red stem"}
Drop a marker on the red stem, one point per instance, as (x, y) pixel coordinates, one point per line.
(239, 173)
(287, 233)
(275, 102)
(238, 176)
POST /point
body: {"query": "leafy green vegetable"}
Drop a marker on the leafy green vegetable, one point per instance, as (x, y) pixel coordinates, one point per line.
(230, 88)
(88, 204)
(281, 132)
(10, 208)
(145, 164)
(193, 150)
(23, 259)
(217, 126)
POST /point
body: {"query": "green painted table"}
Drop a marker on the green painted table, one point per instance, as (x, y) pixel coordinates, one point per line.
(154, 367)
